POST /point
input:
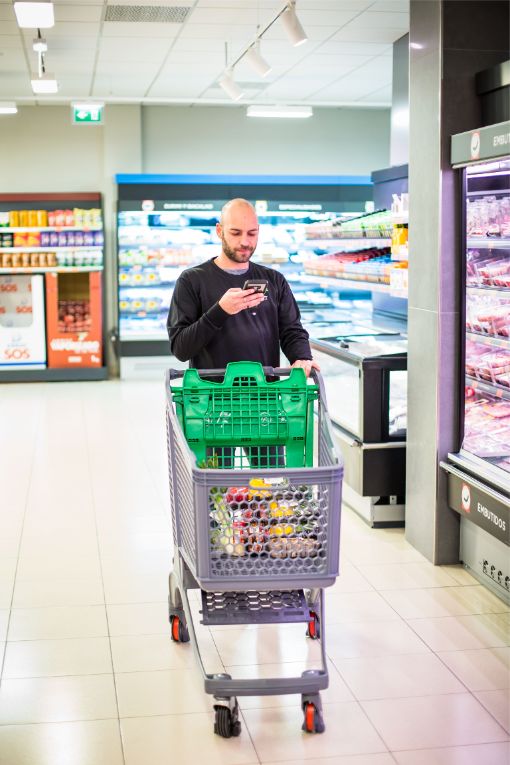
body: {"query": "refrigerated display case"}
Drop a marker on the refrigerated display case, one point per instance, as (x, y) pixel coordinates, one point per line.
(479, 473)
(167, 223)
(364, 366)
(53, 243)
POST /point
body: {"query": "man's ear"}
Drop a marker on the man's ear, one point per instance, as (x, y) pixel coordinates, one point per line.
(218, 230)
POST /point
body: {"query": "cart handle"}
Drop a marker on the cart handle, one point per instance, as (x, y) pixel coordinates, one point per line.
(175, 374)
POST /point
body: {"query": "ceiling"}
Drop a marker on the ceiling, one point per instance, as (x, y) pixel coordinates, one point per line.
(346, 61)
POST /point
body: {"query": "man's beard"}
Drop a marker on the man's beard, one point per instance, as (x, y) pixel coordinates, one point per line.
(236, 257)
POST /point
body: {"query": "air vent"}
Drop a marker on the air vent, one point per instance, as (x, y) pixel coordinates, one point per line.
(135, 13)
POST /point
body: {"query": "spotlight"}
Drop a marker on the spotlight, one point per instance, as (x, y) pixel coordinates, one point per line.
(292, 25)
(255, 60)
(229, 85)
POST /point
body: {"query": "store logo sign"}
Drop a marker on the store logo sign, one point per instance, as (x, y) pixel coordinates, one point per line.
(466, 498)
(148, 205)
(475, 145)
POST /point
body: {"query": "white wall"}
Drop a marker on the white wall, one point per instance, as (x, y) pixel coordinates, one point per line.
(222, 140)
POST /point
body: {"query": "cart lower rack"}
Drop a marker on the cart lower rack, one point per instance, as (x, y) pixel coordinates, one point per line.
(255, 492)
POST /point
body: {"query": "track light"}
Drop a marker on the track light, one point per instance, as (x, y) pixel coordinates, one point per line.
(229, 85)
(255, 60)
(292, 25)
(8, 107)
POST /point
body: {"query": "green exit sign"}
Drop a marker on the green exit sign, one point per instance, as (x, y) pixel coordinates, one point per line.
(87, 114)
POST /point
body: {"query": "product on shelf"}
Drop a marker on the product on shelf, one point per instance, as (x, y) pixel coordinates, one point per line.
(74, 319)
(22, 338)
(375, 225)
(366, 265)
(488, 216)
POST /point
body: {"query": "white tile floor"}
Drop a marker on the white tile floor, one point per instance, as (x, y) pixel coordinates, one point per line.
(419, 656)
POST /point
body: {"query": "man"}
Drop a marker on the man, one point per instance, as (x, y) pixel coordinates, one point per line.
(212, 320)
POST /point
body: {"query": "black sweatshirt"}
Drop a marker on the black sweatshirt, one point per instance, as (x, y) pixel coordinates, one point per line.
(202, 333)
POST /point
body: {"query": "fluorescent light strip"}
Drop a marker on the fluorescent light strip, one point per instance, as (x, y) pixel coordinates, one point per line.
(34, 15)
(281, 112)
(8, 107)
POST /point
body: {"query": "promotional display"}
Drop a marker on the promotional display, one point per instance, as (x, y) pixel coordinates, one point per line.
(74, 319)
(22, 337)
(479, 475)
(59, 237)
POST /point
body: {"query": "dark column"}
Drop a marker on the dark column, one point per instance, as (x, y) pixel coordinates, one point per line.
(450, 41)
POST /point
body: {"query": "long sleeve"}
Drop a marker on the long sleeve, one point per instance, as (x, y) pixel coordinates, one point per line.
(189, 330)
(293, 337)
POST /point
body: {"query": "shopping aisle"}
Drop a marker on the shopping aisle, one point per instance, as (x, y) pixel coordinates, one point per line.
(419, 656)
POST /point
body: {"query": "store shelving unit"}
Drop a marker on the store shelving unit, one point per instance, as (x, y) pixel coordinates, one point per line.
(479, 473)
(167, 223)
(64, 351)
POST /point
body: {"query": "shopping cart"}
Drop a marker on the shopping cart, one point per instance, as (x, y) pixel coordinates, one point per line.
(255, 492)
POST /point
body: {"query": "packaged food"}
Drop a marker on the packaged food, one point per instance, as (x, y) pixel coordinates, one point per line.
(68, 218)
(60, 218)
(33, 239)
(23, 218)
(20, 239)
(51, 217)
(4, 219)
(14, 218)
(32, 218)
(42, 218)
(25, 260)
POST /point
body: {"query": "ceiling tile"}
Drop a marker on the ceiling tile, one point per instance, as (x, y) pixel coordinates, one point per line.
(391, 6)
(67, 29)
(173, 87)
(140, 29)
(355, 48)
(80, 12)
(12, 60)
(136, 49)
(370, 20)
(383, 95)
(228, 16)
(386, 35)
(10, 42)
(15, 85)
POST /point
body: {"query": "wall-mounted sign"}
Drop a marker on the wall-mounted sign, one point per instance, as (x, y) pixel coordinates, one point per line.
(87, 114)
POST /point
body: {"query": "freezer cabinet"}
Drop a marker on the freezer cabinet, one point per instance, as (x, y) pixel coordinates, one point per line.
(366, 387)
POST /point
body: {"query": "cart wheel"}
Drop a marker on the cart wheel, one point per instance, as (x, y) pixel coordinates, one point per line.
(313, 630)
(179, 630)
(224, 723)
(313, 722)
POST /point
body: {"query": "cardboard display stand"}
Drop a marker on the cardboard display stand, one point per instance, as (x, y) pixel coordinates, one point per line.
(74, 320)
(22, 338)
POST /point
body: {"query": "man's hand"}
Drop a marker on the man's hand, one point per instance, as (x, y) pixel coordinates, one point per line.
(235, 300)
(307, 365)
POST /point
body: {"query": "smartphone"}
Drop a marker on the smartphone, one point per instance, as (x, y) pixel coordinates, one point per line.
(259, 285)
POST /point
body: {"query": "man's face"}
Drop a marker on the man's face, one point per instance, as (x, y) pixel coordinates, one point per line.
(239, 233)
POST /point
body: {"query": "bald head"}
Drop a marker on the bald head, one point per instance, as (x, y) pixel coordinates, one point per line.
(234, 207)
(238, 230)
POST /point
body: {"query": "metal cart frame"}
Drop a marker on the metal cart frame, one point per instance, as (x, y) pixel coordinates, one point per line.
(288, 588)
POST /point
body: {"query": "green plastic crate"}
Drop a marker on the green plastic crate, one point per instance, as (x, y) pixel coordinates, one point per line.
(246, 421)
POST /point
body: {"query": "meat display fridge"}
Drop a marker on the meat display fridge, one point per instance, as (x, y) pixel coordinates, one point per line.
(479, 472)
(364, 366)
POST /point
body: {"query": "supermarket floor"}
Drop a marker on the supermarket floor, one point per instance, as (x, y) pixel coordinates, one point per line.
(419, 656)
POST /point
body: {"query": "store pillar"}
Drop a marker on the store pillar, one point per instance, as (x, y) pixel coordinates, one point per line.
(450, 41)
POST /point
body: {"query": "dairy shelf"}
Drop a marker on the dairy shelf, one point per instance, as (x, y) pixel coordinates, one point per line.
(340, 284)
(34, 229)
(54, 248)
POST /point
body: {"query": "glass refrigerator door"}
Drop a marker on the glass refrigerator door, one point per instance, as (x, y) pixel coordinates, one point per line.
(487, 351)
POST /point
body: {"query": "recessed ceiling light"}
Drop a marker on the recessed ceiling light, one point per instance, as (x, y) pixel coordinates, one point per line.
(281, 112)
(8, 107)
(44, 85)
(34, 15)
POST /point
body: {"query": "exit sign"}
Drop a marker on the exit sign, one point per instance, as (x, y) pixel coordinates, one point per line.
(87, 114)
